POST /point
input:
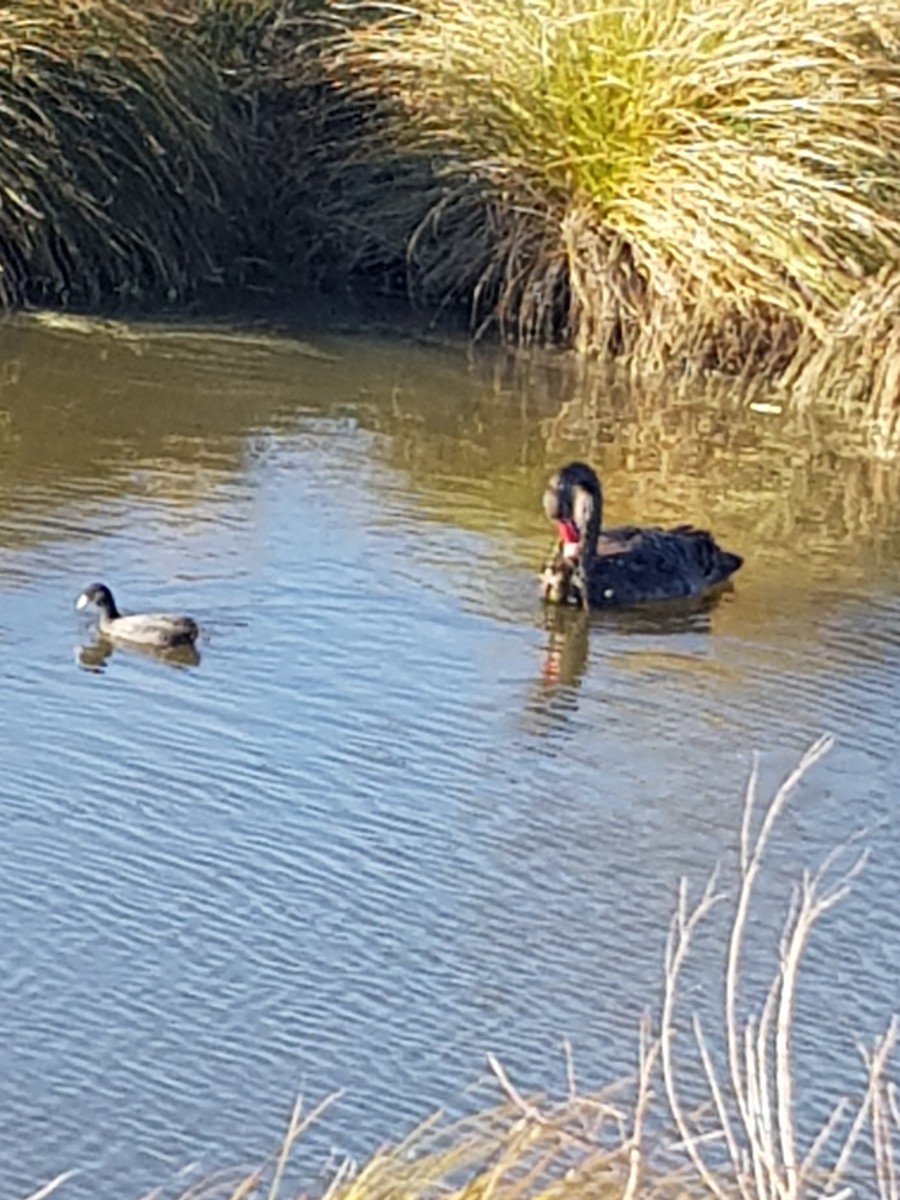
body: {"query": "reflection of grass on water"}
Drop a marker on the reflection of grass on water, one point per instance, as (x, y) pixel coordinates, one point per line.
(803, 477)
(782, 484)
(642, 1138)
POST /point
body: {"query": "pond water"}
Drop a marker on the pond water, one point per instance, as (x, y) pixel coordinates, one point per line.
(397, 817)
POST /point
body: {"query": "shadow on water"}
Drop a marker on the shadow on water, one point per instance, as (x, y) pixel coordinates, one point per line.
(94, 412)
(94, 657)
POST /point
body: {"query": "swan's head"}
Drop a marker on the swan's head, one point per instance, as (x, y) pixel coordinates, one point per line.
(573, 501)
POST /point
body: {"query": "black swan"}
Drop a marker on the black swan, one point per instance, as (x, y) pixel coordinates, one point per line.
(614, 568)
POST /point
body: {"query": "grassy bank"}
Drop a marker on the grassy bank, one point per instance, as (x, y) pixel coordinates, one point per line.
(706, 181)
(738, 1137)
(114, 159)
(682, 177)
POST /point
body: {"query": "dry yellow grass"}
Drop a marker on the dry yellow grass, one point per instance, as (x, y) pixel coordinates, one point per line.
(659, 176)
(855, 369)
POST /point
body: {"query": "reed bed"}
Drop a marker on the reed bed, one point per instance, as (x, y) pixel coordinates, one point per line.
(114, 158)
(855, 370)
(656, 177)
(640, 1139)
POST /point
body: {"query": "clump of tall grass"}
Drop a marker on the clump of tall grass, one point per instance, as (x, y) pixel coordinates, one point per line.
(856, 368)
(738, 1139)
(657, 176)
(113, 155)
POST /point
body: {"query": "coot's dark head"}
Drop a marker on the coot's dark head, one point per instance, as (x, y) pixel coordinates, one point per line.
(101, 597)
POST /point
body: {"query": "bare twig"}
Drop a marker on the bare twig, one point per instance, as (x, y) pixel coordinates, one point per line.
(509, 1090)
(297, 1126)
(648, 1051)
(684, 923)
(751, 858)
(43, 1192)
(738, 1160)
(570, 1070)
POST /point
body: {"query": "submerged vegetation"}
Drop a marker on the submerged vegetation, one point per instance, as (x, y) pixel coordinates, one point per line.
(712, 182)
(708, 1110)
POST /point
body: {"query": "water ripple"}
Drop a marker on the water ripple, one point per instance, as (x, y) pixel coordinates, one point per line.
(394, 818)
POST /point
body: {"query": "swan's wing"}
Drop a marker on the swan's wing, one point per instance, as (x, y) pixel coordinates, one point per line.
(638, 565)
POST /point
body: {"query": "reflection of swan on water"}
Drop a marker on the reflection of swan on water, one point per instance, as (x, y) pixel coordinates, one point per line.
(553, 696)
(565, 656)
(632, 640)
(615, 568)
(95, 656)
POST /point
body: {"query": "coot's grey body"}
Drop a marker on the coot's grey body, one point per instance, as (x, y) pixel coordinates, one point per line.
(139, 629)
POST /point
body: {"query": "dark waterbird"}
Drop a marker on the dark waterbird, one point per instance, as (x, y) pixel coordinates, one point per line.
(138, 629)
(614, 568)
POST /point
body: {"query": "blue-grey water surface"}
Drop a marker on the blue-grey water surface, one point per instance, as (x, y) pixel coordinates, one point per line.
(397, 817)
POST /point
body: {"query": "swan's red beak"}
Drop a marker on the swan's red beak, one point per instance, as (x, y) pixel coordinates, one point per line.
(568, 535)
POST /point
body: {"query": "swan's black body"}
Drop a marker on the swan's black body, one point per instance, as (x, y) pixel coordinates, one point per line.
(628, 565)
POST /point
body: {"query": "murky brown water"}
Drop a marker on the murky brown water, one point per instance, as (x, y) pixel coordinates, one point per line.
(397, 817)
